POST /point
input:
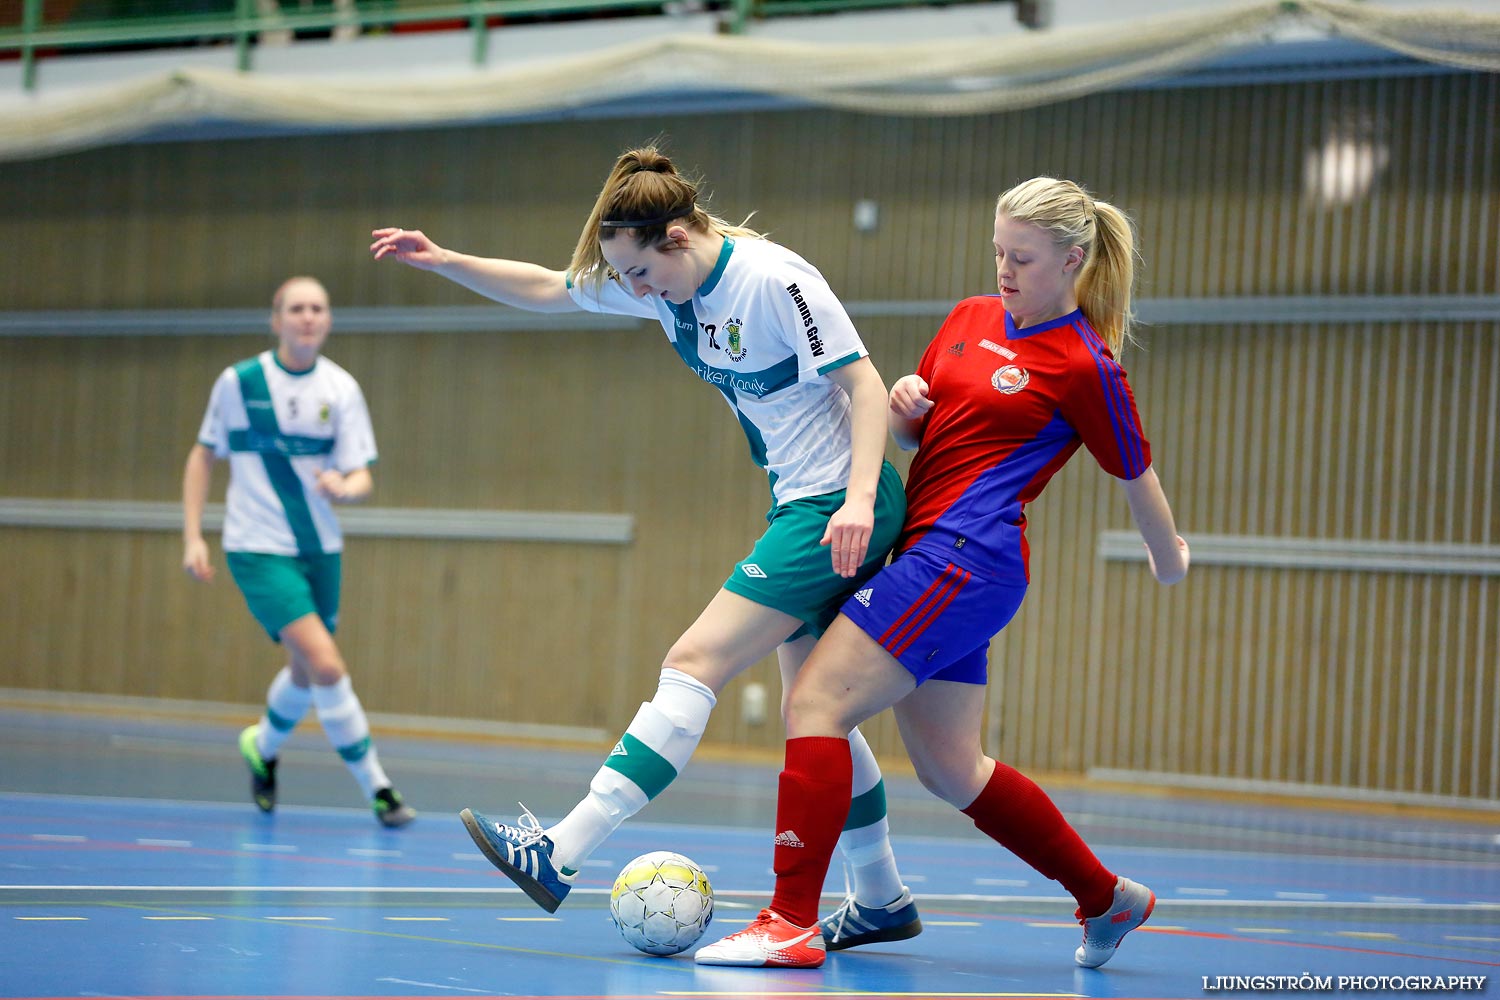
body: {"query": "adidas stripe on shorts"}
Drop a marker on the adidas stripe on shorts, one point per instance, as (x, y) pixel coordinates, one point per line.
(934, 615)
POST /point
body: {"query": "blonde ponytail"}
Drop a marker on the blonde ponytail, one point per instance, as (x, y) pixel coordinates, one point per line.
(643, 195)
(1102, 231)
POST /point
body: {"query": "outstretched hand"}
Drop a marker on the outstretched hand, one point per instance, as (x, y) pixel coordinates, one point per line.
(409, 246)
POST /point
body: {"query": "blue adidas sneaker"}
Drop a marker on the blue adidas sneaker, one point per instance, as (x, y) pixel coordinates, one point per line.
(854, 924)
(524, 853)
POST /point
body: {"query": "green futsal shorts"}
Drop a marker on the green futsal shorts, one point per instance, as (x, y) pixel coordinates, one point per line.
(281, 589)
(789, 571)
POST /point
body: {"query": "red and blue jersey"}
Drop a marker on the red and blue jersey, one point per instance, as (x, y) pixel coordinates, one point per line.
(1010, 407)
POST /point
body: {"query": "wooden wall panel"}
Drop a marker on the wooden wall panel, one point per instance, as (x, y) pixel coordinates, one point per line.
(1327, 430)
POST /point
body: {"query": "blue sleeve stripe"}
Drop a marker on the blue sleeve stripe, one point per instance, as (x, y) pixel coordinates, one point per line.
(1131, 453)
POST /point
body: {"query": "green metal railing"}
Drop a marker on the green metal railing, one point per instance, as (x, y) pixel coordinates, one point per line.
(165, 22)
(243, 24)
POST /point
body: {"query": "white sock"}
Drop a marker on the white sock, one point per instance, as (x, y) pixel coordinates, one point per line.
(343, 719)
(867, 846)
(286, 704)
(655, 748)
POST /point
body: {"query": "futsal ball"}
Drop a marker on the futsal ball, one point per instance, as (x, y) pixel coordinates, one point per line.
(662, 903)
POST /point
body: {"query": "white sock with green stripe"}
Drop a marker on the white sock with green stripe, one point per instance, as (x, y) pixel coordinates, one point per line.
(866, 840)
(655, 747)
(344, 722)
(286, 704)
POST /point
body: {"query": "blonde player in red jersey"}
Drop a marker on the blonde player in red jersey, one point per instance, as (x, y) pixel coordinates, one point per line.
(1008, 390)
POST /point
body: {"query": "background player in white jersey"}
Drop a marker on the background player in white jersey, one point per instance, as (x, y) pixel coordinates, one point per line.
(297, 434)
(761, 325)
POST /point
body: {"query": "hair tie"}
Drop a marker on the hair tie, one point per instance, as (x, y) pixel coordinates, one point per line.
(644, 223)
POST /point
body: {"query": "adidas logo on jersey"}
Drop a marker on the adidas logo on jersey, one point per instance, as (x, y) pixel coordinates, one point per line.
(789, 838)
(753, 570)
(863, 596)
(957, 350)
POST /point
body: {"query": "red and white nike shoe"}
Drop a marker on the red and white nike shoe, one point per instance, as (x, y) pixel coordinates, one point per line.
(769, 941)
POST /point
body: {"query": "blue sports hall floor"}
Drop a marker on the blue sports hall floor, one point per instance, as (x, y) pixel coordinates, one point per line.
(135, 866)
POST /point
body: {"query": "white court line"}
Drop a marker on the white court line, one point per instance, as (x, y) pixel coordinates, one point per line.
(1302, 896)
(152, 842)
(178, 918)
(530, 920)
(274, 848)
(370, 852)
(1312, 905)
(41, 919)
(59, 838)
(1190, 891)
(417, 920)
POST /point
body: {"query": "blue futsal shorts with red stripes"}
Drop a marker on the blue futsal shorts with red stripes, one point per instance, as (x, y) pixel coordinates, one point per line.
(935, 616)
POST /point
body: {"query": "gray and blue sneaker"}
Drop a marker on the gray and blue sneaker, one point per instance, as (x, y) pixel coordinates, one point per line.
(524, 853)
(390, 809)
(854, 924)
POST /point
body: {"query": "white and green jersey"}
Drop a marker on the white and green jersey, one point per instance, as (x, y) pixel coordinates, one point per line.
(765, 330)
(280, 429)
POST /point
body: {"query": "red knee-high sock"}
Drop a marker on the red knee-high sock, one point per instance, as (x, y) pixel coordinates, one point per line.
(811, 807)
(1014, 811)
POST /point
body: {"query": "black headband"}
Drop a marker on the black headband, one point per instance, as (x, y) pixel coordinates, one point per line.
(645, 223)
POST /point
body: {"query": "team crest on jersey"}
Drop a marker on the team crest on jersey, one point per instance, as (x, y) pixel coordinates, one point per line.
(325, 410)
(733, 345)
(1010, 379)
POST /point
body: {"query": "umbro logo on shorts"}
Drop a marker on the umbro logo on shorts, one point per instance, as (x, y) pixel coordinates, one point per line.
(753, 570)
(619, 750)
(864, 596)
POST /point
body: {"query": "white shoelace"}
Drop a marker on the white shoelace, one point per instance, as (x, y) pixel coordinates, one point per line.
(842, 913)
(528, 830)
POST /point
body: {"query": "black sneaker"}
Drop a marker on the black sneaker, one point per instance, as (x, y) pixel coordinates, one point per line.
(390, 810)
(262, 772)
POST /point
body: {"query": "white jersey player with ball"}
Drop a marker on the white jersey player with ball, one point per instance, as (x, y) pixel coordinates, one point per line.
(761, 326)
